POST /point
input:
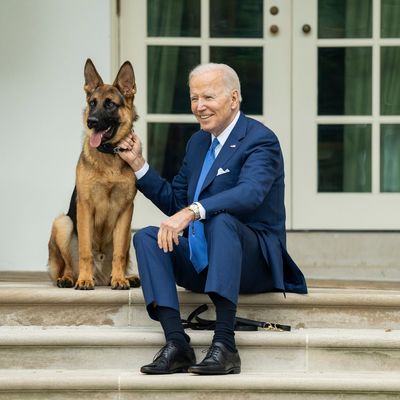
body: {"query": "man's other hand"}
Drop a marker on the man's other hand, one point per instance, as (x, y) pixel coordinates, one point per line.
(172, 227)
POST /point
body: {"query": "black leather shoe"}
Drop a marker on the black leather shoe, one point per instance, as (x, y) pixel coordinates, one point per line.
(170, 359)
(218, 361)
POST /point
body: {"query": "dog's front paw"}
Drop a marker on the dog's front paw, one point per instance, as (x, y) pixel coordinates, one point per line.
(84, 284)
(65, 282)
(119, 284)
(134, 281)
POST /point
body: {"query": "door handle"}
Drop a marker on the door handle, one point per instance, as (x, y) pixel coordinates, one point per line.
(306, 29)
(274, 29)
(274, 10)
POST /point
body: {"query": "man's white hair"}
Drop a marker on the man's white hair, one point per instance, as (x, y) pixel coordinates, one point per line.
(229, 76)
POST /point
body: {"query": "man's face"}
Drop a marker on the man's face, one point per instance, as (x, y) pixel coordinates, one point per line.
(212, 106)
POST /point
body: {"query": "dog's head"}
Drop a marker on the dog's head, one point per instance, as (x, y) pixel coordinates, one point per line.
(110, 113)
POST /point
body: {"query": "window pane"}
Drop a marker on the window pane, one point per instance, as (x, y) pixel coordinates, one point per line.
(248, 63)
(344, 81)
(168, 70)
(166, 146)
(390, 158)
(344, 19)
(344, 158)
(390, 81)
(239, 18)
(173, 18)
(390, 17)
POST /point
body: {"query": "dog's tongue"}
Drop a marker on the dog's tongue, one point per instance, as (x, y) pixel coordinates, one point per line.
(95, 138)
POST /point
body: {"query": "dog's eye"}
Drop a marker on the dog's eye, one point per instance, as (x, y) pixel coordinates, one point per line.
(92, 103)
(109, 104)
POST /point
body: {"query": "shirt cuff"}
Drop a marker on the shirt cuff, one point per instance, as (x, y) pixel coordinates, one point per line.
(202, 210)
(142, 171)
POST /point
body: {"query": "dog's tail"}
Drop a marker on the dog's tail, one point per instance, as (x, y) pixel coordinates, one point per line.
(60, 260)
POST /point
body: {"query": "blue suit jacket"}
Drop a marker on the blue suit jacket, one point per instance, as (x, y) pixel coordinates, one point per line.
(252, 191)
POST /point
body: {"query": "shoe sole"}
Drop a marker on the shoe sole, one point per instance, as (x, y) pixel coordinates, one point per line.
(175, 371)
(235, 370)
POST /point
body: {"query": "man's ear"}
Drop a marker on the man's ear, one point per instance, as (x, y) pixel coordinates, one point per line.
(235, 98)
(92, 78)
(125, 80)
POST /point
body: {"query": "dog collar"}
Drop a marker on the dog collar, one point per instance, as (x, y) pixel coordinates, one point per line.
(108, 148)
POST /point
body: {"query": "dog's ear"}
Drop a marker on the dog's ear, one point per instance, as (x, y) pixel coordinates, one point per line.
(125, 80)
(92, 78)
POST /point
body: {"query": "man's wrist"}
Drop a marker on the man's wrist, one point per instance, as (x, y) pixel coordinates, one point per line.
(195, 210)
(142, 171)
(138, 163)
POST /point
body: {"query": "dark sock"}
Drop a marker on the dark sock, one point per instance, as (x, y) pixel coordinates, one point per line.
(170, 321)
(225, 322)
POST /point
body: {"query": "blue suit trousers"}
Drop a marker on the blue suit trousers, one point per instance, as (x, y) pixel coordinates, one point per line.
(236, 264)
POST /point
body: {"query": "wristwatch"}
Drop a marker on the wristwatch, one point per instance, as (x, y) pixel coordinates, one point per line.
(196, 210)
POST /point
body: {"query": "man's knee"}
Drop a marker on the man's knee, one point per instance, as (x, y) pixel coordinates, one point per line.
(219, 223)
(222, 219)
(145, 235)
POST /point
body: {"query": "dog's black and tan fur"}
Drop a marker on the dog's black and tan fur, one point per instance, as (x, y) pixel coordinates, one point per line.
(93, 248)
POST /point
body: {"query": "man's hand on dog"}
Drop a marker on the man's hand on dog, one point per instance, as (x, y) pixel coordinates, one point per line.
(132, 151)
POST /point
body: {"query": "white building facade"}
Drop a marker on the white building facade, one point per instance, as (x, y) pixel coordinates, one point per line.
(323, 74)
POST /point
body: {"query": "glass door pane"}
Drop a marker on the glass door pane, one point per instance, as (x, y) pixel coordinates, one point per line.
(344, 158)
(344, 19)
(167, 71)
(167, 142)
(344, 80)
(243, 19)
(390, 158)
(390, 80)
(173, 18)
(390, 17)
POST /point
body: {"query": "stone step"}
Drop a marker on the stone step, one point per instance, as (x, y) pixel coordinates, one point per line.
(346, 255)
(42, 304)
(124, 385)
(305, 350)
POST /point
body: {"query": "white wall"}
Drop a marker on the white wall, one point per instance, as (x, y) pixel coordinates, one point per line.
(43, 47)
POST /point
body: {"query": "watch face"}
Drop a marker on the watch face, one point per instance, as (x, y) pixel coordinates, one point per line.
(196, 210)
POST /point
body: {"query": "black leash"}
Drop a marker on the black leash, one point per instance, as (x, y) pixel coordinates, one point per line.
(241, 324)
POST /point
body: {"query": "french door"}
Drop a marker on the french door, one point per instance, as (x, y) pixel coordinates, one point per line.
(322, 74)
(346, 114)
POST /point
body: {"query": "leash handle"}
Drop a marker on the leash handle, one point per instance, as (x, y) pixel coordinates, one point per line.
(241, 324)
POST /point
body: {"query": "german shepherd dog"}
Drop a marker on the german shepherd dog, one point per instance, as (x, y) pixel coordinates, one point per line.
(90, 245)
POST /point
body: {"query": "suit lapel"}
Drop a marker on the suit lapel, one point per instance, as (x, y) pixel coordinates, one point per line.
(228, 150)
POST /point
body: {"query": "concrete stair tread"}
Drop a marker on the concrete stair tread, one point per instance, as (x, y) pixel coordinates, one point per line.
(131, 380)
(150, 336)
(29, 278)
(35, 293)
(45, 305)
(311, 350)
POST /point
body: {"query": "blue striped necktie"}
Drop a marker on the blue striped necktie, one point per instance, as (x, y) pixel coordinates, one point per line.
(197, 240)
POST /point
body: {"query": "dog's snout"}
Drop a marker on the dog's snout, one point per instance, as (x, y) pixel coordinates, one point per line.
(92, 122)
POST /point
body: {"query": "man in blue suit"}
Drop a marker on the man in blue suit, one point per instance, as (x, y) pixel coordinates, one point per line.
(228, 200)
